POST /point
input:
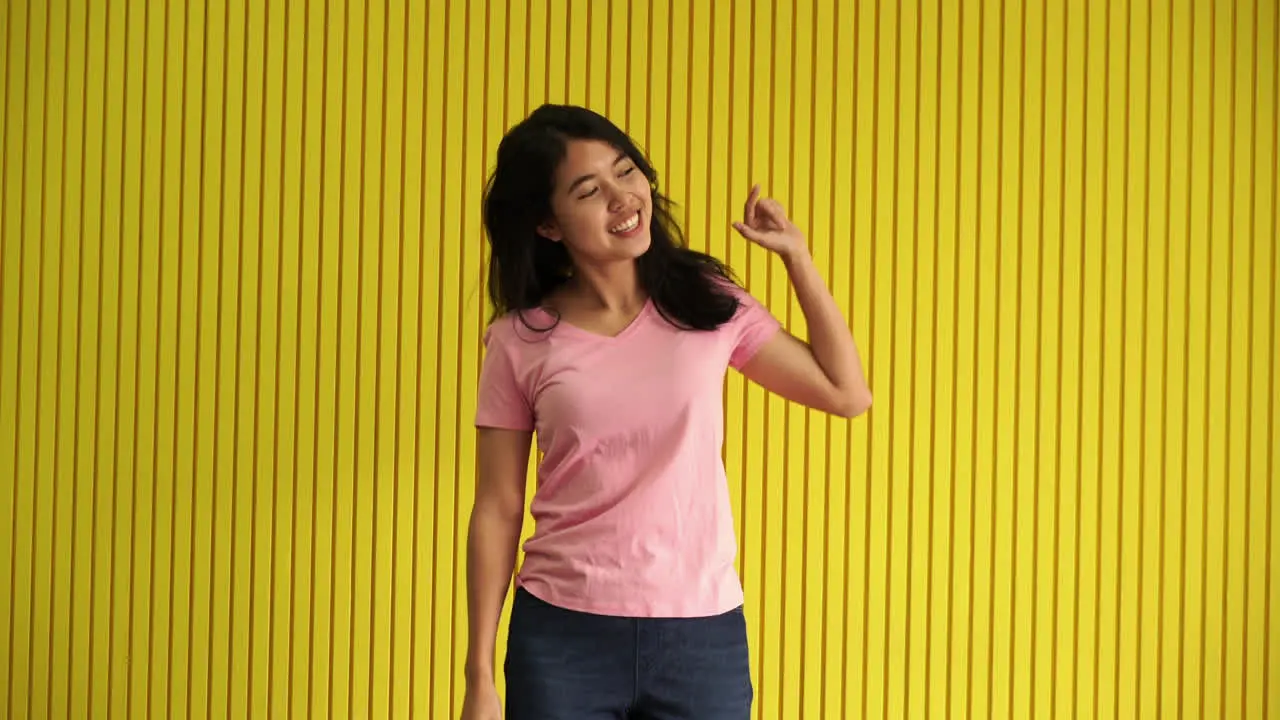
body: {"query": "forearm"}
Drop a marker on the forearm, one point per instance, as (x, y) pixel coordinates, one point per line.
(829, 337)
(491, 555)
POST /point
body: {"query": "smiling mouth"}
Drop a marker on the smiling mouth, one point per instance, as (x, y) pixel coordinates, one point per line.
(627, 227)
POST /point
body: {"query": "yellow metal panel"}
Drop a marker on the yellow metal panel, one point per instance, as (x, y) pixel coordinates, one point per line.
(242, 288)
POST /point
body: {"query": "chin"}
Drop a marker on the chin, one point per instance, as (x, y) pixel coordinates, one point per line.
(639, 246)
(627, 248)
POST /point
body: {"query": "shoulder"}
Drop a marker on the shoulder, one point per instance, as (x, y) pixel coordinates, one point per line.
(500, 331)
(747, 303)
(515, 332)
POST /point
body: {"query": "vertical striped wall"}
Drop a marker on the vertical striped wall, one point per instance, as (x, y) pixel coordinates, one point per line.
(241, 295)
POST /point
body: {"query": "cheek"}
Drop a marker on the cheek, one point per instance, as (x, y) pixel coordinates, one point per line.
(569, 215)
(581, 225)
(586, 220)
(646, 195)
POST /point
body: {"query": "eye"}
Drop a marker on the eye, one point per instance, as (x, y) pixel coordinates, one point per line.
(587, 194)
(628, 171)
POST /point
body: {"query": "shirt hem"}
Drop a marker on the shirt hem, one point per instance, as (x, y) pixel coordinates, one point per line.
(630, 610)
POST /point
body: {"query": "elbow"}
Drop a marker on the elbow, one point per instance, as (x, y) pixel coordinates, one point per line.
(851, 405)
(498, 508)
(494, 526)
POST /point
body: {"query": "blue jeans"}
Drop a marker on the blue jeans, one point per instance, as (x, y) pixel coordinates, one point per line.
(570, 665)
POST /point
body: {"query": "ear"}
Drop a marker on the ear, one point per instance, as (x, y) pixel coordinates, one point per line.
(551, 231)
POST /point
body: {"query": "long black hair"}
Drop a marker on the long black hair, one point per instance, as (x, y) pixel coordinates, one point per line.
(686, 286)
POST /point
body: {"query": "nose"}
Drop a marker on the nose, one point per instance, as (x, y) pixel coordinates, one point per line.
(618, 199)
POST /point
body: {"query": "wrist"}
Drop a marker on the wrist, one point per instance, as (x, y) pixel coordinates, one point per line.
(478, 674)
(796, 256)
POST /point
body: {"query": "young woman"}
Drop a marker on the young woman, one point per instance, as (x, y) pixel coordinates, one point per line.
(611, 342)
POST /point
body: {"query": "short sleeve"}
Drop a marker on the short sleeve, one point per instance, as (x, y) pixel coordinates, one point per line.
(751, 327)
(502, 402)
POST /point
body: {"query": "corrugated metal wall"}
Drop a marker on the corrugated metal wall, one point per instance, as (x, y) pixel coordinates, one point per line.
(243, 293)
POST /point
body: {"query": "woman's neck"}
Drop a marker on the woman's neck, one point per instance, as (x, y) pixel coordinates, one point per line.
(615, 287)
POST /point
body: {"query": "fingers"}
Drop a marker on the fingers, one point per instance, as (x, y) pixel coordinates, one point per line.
(764, 213)
(770, 212)
(749, 233)
(749, 210)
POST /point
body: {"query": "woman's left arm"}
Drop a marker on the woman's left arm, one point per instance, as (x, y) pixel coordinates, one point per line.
(826, 372)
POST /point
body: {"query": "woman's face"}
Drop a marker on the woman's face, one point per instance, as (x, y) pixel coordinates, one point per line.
(601, 205)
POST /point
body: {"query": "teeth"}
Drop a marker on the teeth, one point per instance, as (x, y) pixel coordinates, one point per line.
(628, 225)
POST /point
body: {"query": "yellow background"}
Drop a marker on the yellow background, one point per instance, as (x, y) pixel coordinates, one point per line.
(243, 289)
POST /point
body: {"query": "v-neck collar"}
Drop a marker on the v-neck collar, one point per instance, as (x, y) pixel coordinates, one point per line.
(630, 327)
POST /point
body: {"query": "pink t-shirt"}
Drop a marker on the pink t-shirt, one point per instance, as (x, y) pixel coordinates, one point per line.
(631, 512)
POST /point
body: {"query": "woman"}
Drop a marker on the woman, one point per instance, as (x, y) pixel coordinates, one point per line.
(611, 341)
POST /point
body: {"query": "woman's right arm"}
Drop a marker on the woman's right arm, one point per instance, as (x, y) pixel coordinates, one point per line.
(496, 521)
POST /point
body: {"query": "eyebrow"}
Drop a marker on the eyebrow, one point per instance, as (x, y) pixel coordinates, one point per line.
(578, 181)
